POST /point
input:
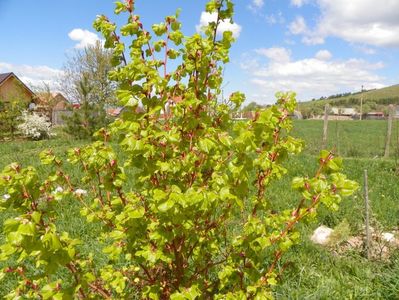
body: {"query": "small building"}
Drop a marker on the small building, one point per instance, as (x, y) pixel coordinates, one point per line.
(335, 110)
(52, 105)
(342, 113)
(375, 115)
(348, 111)
(13, 89)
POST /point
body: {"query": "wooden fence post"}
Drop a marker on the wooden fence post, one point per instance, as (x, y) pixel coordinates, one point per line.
(361, 108)
(367, 219)
(389, 133)
(325, 127)
(337, 139)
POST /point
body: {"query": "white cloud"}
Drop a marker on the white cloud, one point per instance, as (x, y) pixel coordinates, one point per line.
(224, 25)
(313, 40)
(34, 76)
(274, 70)
(271, 19)
(358, 21)
(258, 3)
(323, 55)
(298, 3)
(366, 50)
(275, 54)
(275, 18)
(83, 37)
(298, 26)
(255, 6)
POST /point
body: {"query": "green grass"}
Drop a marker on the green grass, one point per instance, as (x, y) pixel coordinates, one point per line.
(316, 273)
(312, 271)
(357, 139)
(27, 152)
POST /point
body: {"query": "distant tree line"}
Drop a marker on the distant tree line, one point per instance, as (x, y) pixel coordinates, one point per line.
(356, 101)
(340, 95)
(252, 106)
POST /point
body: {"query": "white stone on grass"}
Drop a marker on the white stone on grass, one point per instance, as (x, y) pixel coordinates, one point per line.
(388, 237)
(321, 235)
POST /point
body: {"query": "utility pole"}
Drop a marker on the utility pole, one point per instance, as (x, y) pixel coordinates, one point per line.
(361, 104)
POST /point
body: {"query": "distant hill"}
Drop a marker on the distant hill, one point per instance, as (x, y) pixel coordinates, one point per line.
(373, 100)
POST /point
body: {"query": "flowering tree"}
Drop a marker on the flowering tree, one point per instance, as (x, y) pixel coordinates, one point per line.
(35, 126)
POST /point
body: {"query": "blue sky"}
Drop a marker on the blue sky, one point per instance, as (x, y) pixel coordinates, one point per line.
(313, 47)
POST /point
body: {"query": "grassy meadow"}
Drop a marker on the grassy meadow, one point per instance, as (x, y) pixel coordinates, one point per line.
(312, 272)
(350, 139)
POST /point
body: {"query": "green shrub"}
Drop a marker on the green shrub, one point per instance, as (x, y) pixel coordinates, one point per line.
(10, 113)
(183, 211)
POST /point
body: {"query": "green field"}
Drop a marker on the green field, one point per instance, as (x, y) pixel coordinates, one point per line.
(355, 139)
(312, 272)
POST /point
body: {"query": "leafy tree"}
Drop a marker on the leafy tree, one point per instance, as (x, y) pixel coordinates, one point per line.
(312, 110)
(10, 113)
(366, 108)
(86, 82)
(251, 107)
(91, 64)
(183, 211)
(89, 117)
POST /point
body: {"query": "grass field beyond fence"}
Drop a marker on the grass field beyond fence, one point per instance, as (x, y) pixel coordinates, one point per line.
(364, 139)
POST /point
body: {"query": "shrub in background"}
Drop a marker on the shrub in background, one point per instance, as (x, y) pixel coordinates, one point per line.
(183, 212)
(85, 120)
(35, 126)
(10, 113)
(89, 117)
